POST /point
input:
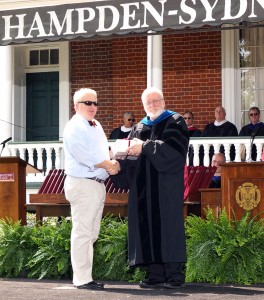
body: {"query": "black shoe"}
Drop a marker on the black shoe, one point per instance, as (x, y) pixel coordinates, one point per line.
(173, 284)
(91, 286)
(147, 284)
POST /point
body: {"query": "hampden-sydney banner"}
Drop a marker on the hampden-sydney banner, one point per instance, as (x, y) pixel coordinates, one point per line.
(103, 18)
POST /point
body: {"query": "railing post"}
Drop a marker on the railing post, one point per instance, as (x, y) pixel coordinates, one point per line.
(13, 151)
(30, 156)
(49, 159)
(206, 160)
(57, 157)
(248, 151)
(196, 159)
(259, 151)
(227, 151)
(238, 152)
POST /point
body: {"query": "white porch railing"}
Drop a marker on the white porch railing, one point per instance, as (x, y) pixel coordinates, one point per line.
(48, 155)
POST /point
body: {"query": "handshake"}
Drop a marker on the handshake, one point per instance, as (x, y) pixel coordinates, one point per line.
(112, 166)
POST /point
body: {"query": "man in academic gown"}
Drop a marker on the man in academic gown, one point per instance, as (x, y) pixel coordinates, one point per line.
(123, 131)
(222, 128)
(254, 128)
(156, 237)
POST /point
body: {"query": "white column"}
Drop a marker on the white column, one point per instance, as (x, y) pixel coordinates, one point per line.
(154, 61)
(230, 80)
(6, 84)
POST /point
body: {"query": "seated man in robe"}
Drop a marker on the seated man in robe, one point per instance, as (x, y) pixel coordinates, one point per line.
(217, 159)
(222, 128)
(254, 128)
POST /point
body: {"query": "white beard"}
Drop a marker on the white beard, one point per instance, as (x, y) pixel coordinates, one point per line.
(155, 115)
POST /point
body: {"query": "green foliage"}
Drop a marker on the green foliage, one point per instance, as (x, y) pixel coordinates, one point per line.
(110, 257)
(52, 258)
(223, 250)
(16, 247)
(219, 250)
(44, 251)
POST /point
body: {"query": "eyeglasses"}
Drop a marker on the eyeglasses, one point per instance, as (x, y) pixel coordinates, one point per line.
(89, 103)
(154, 102)
(129, 120)
(253, 114)
(189, 118)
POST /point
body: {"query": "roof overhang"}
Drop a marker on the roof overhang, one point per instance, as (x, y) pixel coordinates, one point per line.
(122, 17)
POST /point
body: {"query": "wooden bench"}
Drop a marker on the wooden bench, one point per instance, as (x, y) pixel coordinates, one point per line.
(50, 200)
(211, 198)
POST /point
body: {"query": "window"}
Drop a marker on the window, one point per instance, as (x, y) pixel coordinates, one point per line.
(251, 52)
(44, 57)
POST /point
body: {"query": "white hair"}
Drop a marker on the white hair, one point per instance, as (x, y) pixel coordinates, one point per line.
(81, 92)
(151, 90)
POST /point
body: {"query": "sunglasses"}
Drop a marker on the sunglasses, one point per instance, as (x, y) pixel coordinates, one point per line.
(253, 114)
(189, 118)
(89, 103)
(133, 120)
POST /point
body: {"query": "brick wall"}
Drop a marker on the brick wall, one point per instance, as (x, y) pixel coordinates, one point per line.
(117, 69)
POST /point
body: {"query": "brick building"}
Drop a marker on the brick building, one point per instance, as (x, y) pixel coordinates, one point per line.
(199, 70)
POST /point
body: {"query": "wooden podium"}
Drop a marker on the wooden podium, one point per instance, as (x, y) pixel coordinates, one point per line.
(242, 187)
(13, 172)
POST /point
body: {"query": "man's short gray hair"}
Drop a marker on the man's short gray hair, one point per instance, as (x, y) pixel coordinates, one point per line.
(127, 114)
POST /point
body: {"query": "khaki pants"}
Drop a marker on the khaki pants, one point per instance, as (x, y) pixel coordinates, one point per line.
(87, 202)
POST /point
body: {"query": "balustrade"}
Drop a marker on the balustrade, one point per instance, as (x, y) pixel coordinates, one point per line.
(49, 155)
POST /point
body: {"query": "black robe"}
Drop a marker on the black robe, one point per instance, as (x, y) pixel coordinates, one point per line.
(248, 130)
(117, 133)
(224, 130)
(155, 208)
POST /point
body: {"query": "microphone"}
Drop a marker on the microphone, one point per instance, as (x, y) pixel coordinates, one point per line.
(148, 117)
(5, 141)
(252, 137)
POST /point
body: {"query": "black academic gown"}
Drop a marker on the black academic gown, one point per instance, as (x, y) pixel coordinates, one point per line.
(155, 208)
(224, 130)
(117, 133)
(248, 130)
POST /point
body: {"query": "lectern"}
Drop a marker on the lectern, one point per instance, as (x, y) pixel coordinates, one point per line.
(243, 188)
(13, 188)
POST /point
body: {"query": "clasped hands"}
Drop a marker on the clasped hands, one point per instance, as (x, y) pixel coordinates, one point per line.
(112, 167)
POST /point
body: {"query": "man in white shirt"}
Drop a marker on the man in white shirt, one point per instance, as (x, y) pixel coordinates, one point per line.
(87, 165)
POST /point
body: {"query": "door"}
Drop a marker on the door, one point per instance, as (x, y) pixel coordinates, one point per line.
(43, 106)
(43, 110)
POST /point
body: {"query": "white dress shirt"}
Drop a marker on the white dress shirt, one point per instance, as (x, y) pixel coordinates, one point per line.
(84, 147)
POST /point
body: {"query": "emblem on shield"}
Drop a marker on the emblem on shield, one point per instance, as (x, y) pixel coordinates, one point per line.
(248, 196)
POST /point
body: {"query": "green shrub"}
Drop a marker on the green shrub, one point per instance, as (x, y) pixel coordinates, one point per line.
(219, 250)
(52, 258)
(44, 251)
(225, 251)
(16, 248)
(110, 257)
